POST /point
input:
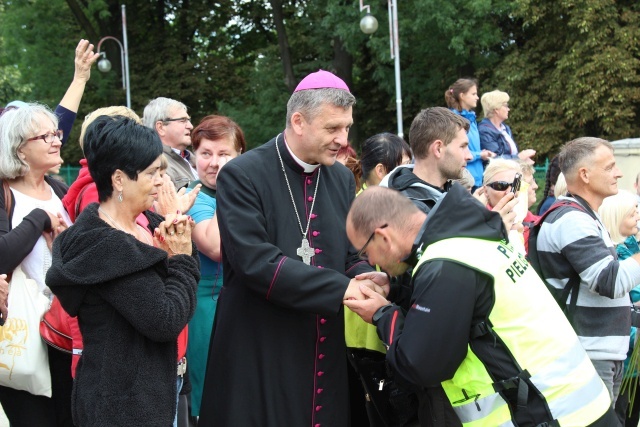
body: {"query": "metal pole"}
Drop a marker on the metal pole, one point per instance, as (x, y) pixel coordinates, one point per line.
(126, 54)
(393, 9)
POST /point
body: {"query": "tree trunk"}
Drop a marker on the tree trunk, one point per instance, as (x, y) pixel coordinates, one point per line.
(83, 20)
(283, 44)
(343, 67)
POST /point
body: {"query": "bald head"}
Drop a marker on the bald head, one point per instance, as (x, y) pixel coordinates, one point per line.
(380, 205)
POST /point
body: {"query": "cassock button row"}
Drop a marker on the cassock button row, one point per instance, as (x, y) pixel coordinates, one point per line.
(309, 181)
(321, 356)
(319, 266)
(318, 408)
(318, 425)
(320, 373)
(320, 390)
(322, 339)
(310, 198)
(323, 321)
(313, 216)
(318, 250)
(316, 233)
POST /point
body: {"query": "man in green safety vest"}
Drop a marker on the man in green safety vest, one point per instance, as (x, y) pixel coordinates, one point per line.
(481, 322)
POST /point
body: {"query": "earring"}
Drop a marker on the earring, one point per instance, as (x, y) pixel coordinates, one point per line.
(120, 197)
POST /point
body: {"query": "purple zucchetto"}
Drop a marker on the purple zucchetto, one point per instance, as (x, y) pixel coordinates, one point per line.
(320, 80)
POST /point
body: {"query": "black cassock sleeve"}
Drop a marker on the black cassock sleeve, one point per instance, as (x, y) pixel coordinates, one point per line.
(248, 249)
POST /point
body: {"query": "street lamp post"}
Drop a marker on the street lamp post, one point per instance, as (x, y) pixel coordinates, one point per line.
(369, 25)
(104, 64)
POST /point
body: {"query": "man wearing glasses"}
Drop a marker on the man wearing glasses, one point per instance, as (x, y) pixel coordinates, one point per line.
(481, 325)
(170, 120)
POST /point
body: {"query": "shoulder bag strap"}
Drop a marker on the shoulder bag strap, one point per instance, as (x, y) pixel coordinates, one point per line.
(7, 205)
(7, 197)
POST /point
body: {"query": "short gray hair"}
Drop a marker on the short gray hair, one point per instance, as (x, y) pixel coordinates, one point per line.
(16, 126)
(157, 110)
(308, 102)
(575, 152)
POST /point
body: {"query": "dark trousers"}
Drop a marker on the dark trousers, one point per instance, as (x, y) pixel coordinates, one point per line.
(24, 409)
(622, 408)
(609, 419)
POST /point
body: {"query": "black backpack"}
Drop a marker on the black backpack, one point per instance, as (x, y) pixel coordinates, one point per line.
(573, 285)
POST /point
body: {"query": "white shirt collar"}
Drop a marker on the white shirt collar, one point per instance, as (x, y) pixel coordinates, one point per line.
(308, 168)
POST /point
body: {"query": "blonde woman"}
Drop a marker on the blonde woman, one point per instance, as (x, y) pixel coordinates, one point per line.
(619, 214)
(495, 136)
(497, 184)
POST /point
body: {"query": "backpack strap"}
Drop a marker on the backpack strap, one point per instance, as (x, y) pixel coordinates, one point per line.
(79, 201)
(573, 284)
(7, 206)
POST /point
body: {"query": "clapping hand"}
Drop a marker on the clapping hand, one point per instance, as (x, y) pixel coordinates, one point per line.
(171, 201)
(58, 225)
(174, 234)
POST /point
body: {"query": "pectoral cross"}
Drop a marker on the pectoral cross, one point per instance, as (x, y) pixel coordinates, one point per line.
(305, 251)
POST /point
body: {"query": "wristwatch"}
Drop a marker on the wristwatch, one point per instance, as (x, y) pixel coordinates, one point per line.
(380, 312)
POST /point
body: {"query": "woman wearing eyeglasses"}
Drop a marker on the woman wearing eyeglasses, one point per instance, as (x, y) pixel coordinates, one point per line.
(29, 146)
(495, 136)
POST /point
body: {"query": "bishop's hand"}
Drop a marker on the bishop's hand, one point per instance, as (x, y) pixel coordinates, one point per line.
(379, 278)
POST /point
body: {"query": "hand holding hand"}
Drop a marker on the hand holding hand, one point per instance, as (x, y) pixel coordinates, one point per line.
(366, 308)
(62, 225)
(58, 225)
(379, 278)
(174, 234)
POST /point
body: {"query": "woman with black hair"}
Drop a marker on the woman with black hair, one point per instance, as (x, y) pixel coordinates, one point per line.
(130, 280)
(550, 179)
(381, 153)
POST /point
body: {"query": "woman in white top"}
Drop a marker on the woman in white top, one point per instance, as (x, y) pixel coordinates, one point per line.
(30, 145)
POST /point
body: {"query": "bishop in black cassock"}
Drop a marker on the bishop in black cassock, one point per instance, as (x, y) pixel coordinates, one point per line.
(277, 355)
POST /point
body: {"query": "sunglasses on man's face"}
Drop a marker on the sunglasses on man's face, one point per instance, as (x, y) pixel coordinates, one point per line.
(500, 185)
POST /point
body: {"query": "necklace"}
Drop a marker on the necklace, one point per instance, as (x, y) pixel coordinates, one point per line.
(119, 227)
(304, 251)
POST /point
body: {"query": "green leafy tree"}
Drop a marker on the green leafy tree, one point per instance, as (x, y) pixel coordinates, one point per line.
(572, 70)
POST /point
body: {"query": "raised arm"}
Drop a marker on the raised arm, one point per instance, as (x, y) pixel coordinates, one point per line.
(68, 108)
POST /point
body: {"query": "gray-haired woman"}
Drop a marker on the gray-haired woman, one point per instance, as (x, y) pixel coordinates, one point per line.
(30, 145)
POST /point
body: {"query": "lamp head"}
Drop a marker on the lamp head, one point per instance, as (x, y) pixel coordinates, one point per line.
(368, 24)
(104, 65)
